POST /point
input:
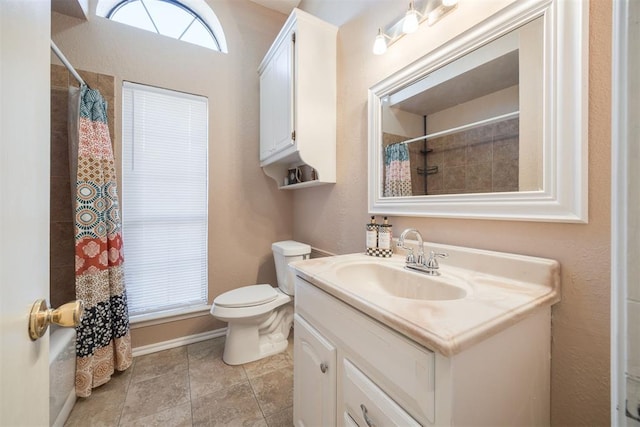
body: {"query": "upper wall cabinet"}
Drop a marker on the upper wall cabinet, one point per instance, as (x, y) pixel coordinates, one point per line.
(298, 103)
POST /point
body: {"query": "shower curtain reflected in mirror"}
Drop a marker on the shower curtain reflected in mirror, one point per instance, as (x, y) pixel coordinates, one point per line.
(103, 342)
(397, 173)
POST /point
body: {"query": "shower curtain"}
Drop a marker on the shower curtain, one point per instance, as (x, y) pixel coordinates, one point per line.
(103, 343)
(397, 180)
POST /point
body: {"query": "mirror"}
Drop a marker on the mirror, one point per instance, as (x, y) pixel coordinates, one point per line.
(491, 125)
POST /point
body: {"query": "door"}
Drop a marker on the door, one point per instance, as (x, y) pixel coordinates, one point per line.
(314, 377)
(24, 207)
(625, 236)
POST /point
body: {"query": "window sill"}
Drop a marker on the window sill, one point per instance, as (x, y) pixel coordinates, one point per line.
(144, 320)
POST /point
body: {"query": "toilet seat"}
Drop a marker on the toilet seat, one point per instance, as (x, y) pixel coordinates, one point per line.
(246, 296)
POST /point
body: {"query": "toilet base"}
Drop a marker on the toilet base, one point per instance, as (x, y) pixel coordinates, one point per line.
(248, 341)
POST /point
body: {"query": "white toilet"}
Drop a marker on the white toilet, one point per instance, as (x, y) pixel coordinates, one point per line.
(260, 316)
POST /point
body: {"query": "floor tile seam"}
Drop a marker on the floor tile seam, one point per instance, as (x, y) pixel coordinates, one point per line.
(262, 374)
(189, 384)
(126, 392)
(255, 396)
(164, 373)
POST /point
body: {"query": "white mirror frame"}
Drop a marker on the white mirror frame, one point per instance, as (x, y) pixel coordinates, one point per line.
(565, 117)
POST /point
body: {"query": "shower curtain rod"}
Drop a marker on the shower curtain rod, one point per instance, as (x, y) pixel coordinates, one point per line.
(66, 63)
(462, 128)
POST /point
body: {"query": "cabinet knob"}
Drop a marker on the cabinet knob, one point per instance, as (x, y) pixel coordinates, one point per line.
(323, 367)
(365, 414)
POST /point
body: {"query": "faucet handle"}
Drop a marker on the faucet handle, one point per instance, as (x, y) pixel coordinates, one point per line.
(411, 259)
(432, 262)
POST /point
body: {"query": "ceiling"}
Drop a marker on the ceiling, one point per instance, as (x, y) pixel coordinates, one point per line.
(282, 6)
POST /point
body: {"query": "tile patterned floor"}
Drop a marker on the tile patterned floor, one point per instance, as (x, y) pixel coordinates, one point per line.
(192, 386)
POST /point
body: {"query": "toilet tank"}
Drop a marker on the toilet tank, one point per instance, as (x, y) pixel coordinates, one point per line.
(283, 253)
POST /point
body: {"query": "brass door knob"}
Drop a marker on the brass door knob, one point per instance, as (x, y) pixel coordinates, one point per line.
(68, 315)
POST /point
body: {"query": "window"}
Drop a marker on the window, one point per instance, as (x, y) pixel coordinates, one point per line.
(164, 199)
(191, 21)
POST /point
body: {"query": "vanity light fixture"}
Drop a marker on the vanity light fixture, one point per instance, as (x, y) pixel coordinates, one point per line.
(380, 44)
(410, 22)
(418, 12)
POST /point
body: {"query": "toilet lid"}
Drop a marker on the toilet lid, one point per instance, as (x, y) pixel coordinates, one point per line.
(247, 296)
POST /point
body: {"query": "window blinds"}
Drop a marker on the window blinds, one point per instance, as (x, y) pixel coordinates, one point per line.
(164, 198)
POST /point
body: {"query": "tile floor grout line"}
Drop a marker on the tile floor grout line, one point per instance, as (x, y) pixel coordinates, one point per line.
(189, 384)
(126, 394)
(253, 391)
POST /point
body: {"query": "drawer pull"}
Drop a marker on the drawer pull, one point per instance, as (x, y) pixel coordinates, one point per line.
(365, 414)
(323, 367)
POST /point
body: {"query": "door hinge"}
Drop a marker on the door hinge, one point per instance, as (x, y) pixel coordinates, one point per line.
(293, 37)
(293, 135)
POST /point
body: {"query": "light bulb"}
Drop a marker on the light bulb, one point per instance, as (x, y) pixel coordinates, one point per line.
(380, 44)
(410, 23)
(449, 3)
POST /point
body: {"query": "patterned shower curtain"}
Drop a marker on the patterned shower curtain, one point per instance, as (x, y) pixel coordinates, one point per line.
(397, 180)
(103, 343)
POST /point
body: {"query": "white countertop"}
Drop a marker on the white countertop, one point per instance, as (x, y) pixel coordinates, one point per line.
(501, 290)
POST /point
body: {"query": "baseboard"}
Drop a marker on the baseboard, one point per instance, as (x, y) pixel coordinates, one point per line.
(178, 342)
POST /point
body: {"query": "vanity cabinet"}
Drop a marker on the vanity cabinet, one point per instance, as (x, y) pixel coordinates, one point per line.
(352, 370)
(314, 387)
(298, 101)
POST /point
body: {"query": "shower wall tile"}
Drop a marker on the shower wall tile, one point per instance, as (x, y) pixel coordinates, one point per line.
(61, 244)
(89, 77)
(62, 286)
(60, 202)
(106, 85)
(481, 152)
(506, 149)
(59, 154)
(454, 178)
(478, 177)
(59, 76)
(59, 99)
(455, 156)
(505, 175)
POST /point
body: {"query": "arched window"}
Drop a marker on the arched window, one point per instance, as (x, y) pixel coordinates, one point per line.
(191, 21)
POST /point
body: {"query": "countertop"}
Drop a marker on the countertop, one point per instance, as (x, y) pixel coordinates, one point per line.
(501, 290)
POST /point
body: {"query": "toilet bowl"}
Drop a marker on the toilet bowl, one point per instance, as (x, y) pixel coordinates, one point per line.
(260, 316)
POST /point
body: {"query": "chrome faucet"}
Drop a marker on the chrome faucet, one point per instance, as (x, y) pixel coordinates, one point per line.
(410, 257)
(430, 266)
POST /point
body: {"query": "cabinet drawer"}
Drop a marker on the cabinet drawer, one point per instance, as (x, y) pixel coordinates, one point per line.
(365, 403)
(397, 365)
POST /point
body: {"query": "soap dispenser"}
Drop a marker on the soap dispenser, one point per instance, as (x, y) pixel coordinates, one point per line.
(372, 235)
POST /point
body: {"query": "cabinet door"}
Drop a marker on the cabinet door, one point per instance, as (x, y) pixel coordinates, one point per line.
(314, 377)
(276, 100)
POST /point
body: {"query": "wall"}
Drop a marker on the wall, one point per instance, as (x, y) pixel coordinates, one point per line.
(246, 211)
(61, 232)
(333, 217)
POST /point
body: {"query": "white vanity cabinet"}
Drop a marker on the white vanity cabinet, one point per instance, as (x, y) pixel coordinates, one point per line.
(352, 370)
(298, 101)
(314, 388)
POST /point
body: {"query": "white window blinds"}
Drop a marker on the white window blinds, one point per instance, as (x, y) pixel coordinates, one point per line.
(164, 199)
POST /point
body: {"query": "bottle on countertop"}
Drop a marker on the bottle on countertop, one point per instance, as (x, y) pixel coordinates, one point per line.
(385, 235)
(372, 234)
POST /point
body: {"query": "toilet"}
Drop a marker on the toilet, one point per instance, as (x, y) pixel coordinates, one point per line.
(259, 317)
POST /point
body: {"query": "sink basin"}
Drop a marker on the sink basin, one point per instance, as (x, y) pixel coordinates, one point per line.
(396, 282)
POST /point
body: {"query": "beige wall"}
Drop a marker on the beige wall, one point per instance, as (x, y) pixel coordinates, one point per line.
(333, 217)
(247, 213)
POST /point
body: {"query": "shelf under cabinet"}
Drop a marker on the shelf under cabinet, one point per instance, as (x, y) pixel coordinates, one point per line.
(305, 184)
